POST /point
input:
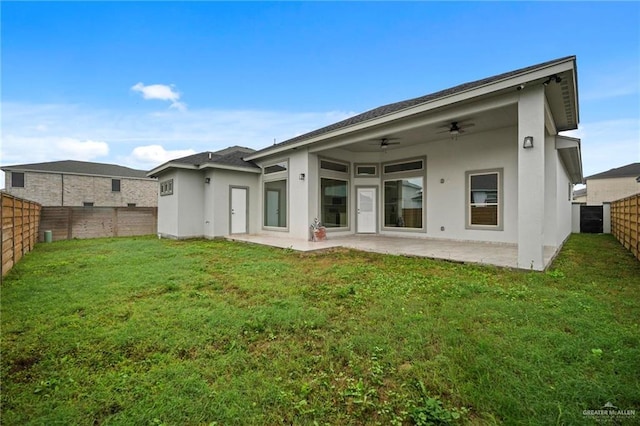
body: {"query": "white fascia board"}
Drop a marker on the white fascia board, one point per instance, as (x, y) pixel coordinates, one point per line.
(167, 166)
(495, 86)
(170, 165)
(233, 168)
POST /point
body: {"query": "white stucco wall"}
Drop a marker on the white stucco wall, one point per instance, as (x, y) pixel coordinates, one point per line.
(188, 188)
(217, 200)
(447, 159)
(168, 208)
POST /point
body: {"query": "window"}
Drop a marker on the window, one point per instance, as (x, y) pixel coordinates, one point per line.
(166, 187)
(115, 185)
(334, 166)
(131, 204)
(17, 180)
(87, 204)
(334, 193)
(484, 199)
(275, 203)
(333, 202)
(404, 167)
(366, 170)
(403, 200)
(403, 194)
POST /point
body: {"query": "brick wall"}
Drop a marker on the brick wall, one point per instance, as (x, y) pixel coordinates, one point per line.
(47, 189)
(97, 222)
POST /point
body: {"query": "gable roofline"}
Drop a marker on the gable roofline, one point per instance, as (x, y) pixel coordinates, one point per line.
(80, 168)
(230, 158)
(397, 110)
(629, 170)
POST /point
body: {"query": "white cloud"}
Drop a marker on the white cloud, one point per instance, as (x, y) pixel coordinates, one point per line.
(36, 133)
(154, 155)
(81, 150)
(161, 92)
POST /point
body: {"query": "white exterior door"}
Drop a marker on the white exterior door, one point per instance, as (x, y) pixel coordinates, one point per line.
(367, 217)
(238, 210)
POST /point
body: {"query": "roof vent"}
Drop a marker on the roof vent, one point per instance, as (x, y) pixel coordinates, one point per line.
(209, 156)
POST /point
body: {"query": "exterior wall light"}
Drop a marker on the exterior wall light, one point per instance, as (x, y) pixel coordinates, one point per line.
(528, 142)
(302, 176)
(207, 180)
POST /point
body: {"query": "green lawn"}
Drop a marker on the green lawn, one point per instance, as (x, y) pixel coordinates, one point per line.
(146, 331)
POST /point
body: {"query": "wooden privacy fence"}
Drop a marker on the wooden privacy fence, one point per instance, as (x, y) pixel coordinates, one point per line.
(95, 222)
(624, 223)
(20, 220)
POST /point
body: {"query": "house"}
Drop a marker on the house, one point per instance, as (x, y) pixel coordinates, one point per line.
(482, 161)
(580, 195)
(613, 184)
(81, 183)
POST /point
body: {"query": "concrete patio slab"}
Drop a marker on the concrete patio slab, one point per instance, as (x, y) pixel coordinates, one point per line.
(497, 254)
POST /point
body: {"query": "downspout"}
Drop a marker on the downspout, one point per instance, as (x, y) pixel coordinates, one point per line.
(62, 195)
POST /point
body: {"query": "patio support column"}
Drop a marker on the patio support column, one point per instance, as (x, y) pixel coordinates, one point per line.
(531, 182)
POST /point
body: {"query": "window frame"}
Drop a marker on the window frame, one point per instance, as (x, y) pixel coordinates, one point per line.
(376, 167)
(13, 175)
(166, 187)
(402, 175)
(334, 175)
(279, 175)
(113, 185)
(499, 226)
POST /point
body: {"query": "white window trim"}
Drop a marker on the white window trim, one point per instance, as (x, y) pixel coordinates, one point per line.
(335, 175)
(468, 204)
(375, 175)
(272, 177)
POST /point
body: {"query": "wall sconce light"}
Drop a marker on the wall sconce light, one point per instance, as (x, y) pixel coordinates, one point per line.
(528, 142)
(302, 176)
(207, 180)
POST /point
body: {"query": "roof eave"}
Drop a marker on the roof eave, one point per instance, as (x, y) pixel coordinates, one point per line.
(171, 165)
(59, 172)
(570, 155)
(542, 72)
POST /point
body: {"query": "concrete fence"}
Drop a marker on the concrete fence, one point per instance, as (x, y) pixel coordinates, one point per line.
(95, 222)
(20, 221)
(625, 219)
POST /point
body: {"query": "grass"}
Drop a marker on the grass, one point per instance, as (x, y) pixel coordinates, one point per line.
(146, 331)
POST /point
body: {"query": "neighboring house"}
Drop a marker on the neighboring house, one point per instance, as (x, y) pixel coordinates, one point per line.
(482, 161)
(613, 185)
(81, 183)
(580, 195)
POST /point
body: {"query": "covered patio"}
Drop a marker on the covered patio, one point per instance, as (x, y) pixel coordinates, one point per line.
(497, 254)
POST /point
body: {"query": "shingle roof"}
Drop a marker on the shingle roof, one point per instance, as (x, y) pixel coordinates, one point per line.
(630, 170)
(231, 156)
(80, 167)
(398, 106)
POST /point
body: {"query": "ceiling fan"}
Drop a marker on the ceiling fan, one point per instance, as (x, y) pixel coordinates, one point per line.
(455, 128)
(386, 142)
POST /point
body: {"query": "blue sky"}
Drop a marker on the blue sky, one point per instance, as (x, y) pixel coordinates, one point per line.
(137, 84)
